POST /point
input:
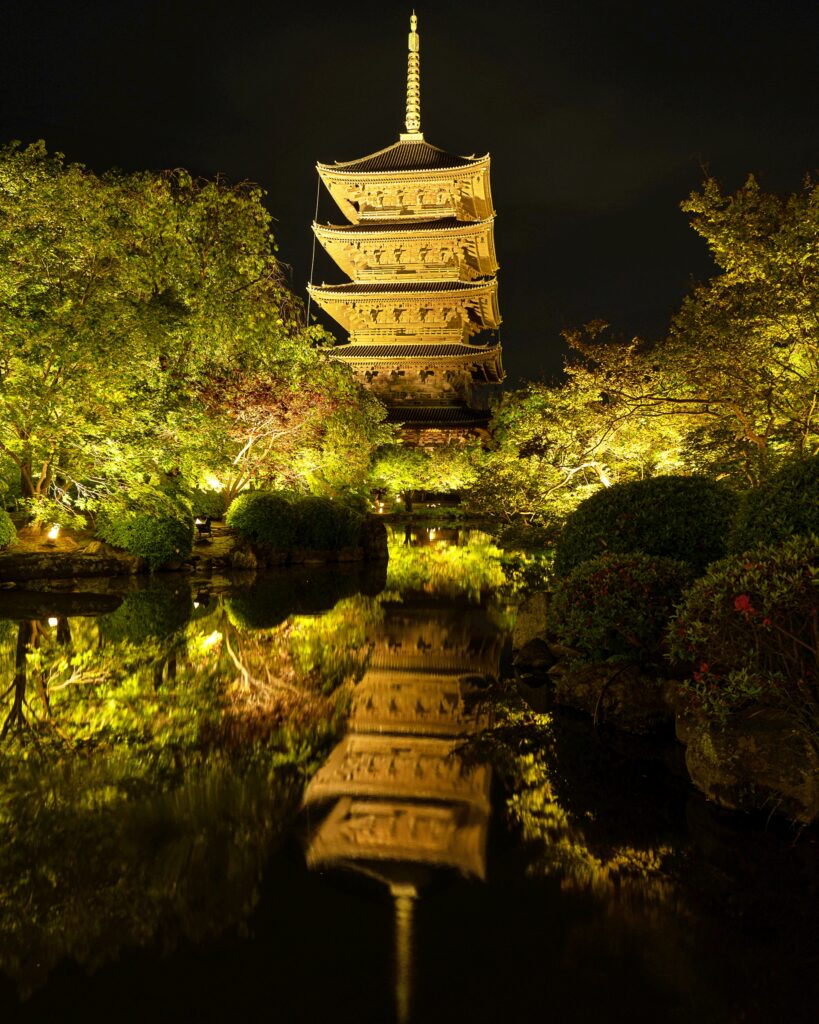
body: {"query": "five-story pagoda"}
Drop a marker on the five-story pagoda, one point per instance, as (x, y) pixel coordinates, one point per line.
(420, 252)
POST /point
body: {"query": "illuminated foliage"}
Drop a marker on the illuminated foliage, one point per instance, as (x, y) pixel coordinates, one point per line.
(399, 469)
(554, 446)
(617, 606)
(730, 392)
(150, 338)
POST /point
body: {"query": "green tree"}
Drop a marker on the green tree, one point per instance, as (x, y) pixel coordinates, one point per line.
(149, 338)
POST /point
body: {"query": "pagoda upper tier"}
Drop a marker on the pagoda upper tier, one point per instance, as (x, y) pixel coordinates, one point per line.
(448, 249)
(410, 180)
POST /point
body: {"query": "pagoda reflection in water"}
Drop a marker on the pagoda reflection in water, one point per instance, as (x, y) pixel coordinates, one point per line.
(404, 805)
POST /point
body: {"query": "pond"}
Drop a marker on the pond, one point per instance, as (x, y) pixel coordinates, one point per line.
(323, 794)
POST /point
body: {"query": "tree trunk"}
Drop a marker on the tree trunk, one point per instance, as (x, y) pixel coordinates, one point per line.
(27, 488)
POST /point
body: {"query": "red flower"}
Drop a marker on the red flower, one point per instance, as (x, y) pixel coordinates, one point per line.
(743, 604)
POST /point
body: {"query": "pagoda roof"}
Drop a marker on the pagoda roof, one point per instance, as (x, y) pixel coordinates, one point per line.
(403, 156)
(417, 286)
(437, 415)
(417, 227)
(409, 351)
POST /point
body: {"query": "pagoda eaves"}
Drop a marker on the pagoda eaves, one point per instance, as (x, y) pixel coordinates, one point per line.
(450, 249)
(443, 188)
(422, 310)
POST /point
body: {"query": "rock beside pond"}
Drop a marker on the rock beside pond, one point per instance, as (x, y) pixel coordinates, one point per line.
(758, 760)
(534, 656)
(374, 540)
(36, 565)
(530, 623)
(619, 695)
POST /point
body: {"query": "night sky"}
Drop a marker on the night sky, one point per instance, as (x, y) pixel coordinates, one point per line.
(600, 118)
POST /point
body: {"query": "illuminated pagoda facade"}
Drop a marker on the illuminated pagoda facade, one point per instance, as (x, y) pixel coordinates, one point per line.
(420, 254)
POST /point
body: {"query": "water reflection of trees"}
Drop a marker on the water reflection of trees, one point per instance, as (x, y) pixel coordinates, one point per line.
(150, 760)
(446, 563)
(569, 831)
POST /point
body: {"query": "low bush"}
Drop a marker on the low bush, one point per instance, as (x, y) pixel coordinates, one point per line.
(786, 504)
(8, 534)
(685, 518)
(618, 606)
(160, 531)
(264, 517)
(325, 525)
(748, 631)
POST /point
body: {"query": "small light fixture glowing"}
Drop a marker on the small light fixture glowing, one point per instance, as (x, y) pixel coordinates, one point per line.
(433, 533)
(195, 604)
(54, 532)
(214, 482)
(209, 641)
(53, 622)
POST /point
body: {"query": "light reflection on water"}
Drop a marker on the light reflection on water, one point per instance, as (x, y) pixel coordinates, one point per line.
(159, 743)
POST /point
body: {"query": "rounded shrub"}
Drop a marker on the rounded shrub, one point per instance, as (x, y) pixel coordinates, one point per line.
(264, 517)
(786, 504)
(617, 606)
(8, 534)
(748, 631)
(325, 525)
(159, 533)
(680, 517)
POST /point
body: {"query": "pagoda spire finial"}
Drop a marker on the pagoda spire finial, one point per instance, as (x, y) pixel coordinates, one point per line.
(413, 122)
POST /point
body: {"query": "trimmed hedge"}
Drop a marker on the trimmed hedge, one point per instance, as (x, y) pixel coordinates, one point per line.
(747, 631)
(786, 504)
(324, 525)
(284, 522)
(685, 518)
(264, 517)
(618, 606)
(8, 535)
(160, 534)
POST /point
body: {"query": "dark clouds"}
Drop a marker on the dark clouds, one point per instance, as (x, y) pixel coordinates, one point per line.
(599, 117)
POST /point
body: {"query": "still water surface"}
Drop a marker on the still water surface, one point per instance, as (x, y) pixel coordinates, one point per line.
(322, 795)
